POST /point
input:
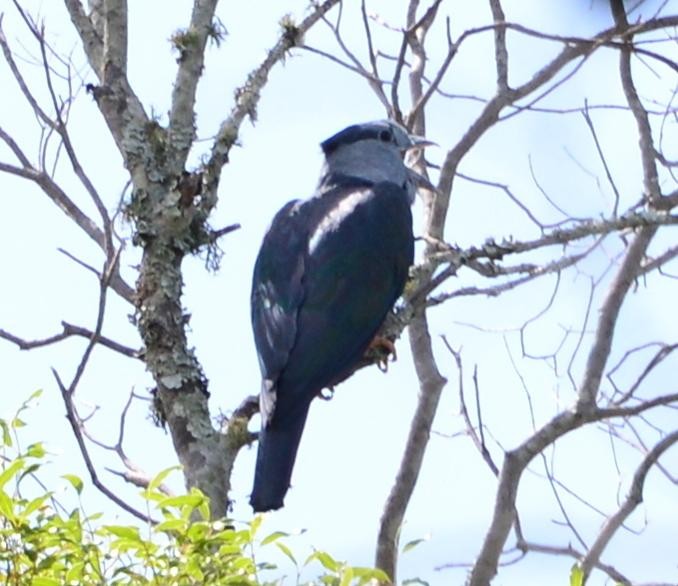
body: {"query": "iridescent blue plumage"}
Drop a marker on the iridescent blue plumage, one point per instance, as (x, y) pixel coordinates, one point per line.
(329, 270)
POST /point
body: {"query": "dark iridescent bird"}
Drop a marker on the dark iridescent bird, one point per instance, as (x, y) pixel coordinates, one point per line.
(329, 270)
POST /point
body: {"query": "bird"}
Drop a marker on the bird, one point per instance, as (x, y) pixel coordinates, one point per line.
(329, 270)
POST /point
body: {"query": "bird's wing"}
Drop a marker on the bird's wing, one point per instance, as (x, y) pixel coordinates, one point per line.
(328, 272)
(360, 247)
(277, 294)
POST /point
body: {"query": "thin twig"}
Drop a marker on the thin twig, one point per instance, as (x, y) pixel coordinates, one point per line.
(67, 397)
(633, 499)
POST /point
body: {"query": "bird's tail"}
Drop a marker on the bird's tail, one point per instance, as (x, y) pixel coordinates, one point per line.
(277, 451)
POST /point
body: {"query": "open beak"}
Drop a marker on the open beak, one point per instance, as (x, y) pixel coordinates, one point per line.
(418, 142)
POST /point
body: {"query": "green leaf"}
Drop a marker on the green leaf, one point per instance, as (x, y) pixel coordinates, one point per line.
(273, 537)
(172, 525)
(27, 403)
(124, 545)
(204, 508)
(76, 482)
(6, 506)
(35, 504)
(74, 574)
(190, 500)
(346, 577)
(197, 532)
(287, 551)
(45, 581)
(36, 450)
(410, 545)
(327, 561)
(370, 574)
(193, 569)
(123, 531)
(255, 524)
(159, 478)
(576, 575)
(6, 435)
(28, 470)
(12, 470)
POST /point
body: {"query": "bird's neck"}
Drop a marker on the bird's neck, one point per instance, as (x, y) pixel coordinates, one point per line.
(372, 163)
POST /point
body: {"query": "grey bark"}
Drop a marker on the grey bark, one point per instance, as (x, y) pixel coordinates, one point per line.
(170, 222)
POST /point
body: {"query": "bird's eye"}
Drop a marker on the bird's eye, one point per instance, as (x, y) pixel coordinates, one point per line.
(386, 136)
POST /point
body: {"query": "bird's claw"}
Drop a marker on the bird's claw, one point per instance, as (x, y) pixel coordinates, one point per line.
(383, 348)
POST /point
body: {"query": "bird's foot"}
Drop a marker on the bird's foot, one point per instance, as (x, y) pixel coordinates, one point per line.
(382, 348)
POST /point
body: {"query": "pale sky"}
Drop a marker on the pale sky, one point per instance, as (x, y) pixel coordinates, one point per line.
(351, 446)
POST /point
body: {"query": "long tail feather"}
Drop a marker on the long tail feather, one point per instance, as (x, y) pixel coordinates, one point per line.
(278, 445)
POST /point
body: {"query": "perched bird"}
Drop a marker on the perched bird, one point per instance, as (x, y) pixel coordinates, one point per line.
(329, 270)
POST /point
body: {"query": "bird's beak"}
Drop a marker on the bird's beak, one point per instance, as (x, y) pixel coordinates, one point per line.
(418, 142)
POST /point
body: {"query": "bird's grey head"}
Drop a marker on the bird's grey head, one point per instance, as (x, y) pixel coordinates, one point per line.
(374, 152)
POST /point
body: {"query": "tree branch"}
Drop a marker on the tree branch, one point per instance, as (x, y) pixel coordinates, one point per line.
(103, 237)
(647, 150)
(247, 96)
(70, 330)
(73, 419)
(431, 385)
(181, 131)
(633, 499)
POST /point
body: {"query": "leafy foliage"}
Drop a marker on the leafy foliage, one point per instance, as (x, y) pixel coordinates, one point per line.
(42, 544)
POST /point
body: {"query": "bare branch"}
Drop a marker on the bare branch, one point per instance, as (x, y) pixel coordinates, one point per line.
(476, 436)
(378, 86)
(67, 397)
(247, 97)
(109, 270)
(647, 150)
(572, 552)
(431, 386)
(132, 474)
(121, 108)
(115, 34)
(603, 160)
(216, 234)
(534, 272)
(659, 261)
(355, 65)
(515, 462)
(633, 499)
(434, 85)
(585, 411)
(369, 77)
(500, 52)
(92, 41)
(69, 330)
(58, 125)
(182, 130)
(583, 229)
(501, 100)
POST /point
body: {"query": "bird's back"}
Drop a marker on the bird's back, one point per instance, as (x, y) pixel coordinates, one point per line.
(338, 262)
(356, 270)
(329, 270)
